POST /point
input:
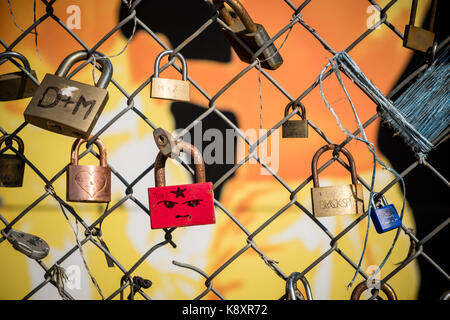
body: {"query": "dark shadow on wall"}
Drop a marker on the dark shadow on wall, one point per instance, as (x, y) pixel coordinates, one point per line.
(425, 192)
(184, 19)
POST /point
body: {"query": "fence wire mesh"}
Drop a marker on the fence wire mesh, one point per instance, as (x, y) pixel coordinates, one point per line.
(91, 232)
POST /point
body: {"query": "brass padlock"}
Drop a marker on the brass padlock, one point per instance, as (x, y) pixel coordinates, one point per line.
(295, 128)
(361, 287)
(12, 167)
(88, 183)
(418, 38)
(336, 200)
(17, 85)
(66, 106)
(252, 34)
(170, 89)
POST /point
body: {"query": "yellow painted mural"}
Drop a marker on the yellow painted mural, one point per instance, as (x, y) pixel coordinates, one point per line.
(251, 195)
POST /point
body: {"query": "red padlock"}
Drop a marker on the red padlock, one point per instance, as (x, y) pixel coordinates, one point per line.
(181, 205)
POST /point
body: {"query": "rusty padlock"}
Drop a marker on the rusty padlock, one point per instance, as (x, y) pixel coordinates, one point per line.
(17, 85)
(336, 200)
(252, 34)
(416, 38)
(295, 128)
(66, 106)
(88, 183)
(181, 205)
(170, 89)
(12, 167)
(360, 288)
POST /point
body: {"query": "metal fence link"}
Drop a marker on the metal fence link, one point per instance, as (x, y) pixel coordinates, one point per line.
(90, 232)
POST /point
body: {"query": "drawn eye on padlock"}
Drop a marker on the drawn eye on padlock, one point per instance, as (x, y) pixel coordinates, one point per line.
(17, 85)
(66, 106)
(384, 216)
(12, 167)
(252, 34)
(336, 200)
(181, 205)
(170, 89)
(361, 287)
(295, 128)
(416, 38)
(88, 183)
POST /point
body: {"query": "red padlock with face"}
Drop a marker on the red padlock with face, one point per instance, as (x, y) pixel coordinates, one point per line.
(181, 205)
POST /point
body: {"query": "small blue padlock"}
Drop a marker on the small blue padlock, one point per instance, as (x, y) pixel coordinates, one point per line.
(384, 215)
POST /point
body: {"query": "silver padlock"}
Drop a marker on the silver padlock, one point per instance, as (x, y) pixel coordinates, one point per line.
(170, 89)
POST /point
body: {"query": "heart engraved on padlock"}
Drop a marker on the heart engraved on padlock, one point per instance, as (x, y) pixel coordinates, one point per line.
(12, 167)
(88, 183)
(181, 205)
(91, 182)
(66, 106)
(336, 200)
(17, 85)
(253, 35)
(295, 128)
(170, 89)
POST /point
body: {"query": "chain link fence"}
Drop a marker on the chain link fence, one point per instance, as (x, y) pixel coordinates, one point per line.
(91, 232)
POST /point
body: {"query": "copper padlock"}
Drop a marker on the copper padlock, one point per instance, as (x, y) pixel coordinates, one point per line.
(336, 200)
(252, 34)
(12, 167)
(66, 106)
(17, 85)
(88, 183)
(360, 288)
(170, 89)
(181, 205)
(295, 128)
(416, 38)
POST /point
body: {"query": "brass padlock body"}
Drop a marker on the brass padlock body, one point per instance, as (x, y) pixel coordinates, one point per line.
(417, 38)
(66, 106)
(17, 85)
(269, 57)
(11, 171)
(170, 89)
(337, 200)
(295, 128)
(88, 183)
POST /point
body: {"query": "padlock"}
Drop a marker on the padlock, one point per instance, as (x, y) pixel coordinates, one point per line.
(88, 183)
(28, 244)
(17, 85)
(292, 291)
(252, 34)
(384, 216)
(416, 38)
(170, 89)
(336, 200)
(12, 167)
(181, 205)
(360, 288)
(66, 106)
(295, 128)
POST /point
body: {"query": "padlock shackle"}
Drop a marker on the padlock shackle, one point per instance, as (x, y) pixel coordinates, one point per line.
(291, 285)
(16, 55)
(16, 139)
(360, 288)
(71, 59)
(165, 53)
(240, 11)
(291, 105)
(196, 157)
(76, 148)
(333, 147)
